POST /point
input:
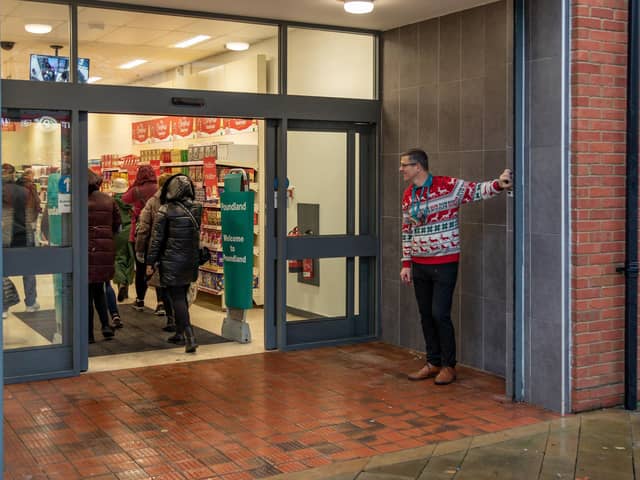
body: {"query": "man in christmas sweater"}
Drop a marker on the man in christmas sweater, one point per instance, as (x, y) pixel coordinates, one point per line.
(431, 250)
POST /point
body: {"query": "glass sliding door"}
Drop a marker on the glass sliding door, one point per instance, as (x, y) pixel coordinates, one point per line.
(37, 232)
(331, 239)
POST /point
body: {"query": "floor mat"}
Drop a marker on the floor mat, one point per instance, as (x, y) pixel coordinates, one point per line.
(142, 332)
(42, 321)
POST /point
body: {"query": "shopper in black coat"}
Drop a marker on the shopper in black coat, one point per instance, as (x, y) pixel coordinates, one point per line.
(174, 249)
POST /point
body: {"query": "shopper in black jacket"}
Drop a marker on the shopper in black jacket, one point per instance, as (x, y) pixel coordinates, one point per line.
(174, 249)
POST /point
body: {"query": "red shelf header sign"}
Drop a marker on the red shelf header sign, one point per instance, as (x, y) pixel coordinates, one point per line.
(240, 125)
(160, 129)
(140, 132)
(182, 127)
(207, 127)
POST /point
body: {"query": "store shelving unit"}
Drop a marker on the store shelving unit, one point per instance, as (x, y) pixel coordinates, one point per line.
(187, 155)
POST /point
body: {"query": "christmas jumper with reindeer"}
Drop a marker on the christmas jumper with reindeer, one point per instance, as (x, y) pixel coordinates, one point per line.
(430, 230)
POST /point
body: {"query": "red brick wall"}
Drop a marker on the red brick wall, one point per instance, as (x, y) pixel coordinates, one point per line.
(598, 80)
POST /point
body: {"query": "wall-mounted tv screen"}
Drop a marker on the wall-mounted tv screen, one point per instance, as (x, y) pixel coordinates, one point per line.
(50, 68)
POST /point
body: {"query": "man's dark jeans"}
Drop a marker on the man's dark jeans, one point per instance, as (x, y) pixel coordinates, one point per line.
(434, 285)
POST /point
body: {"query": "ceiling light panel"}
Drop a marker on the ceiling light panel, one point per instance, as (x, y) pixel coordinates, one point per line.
(38, 28)
(358, 7)
(237, 46)
(192, 41)
(132, 64)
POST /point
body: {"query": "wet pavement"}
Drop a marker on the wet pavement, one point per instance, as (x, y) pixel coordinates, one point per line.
(601, 445)
(263, 415)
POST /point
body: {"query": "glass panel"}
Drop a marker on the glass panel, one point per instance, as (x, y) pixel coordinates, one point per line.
(357, 187)
(317, 172)
(168, 51)
(36, 178)
(318, 291)
(37, 308)
(330, 64)
(41, 54)
(356, 285)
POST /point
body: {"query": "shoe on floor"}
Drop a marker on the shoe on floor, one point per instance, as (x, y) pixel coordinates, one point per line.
(117, 322)
(446, 376)
(160, 311)
(107, 331)
(428, 371)
(138, 305)
(123, 292)
(178, 339)
(170, 326)
(32, 308)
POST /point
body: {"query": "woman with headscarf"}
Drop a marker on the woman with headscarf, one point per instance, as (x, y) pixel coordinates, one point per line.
(142, 190)
(174, 250)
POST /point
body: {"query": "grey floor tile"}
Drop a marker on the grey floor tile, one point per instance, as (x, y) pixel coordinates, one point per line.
(444, 467)
(406, 470)
(605, 448)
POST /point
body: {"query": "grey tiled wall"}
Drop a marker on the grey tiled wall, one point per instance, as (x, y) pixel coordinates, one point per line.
(545, 240)
(446, 90)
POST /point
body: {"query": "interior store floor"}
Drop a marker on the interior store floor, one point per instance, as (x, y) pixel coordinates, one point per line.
(206, 313)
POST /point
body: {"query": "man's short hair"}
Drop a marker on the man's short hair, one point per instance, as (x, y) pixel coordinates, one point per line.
(418, 156)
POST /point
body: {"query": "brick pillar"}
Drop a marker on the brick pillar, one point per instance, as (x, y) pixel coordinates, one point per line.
(598, 86)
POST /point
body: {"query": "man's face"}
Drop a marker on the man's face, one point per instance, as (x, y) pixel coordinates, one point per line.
(408, 168)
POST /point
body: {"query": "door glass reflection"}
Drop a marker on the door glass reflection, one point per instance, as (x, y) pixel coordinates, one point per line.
(34, 309)
(317, 172)
(36, 178)
(317, 289)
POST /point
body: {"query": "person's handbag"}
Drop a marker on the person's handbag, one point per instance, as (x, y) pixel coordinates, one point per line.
(192, 293)
(10, 295)
(204, 254)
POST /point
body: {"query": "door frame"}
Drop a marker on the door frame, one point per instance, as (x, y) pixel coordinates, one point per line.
(328, 331)
(275, 109)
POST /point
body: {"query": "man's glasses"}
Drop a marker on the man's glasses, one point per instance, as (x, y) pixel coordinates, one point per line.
(403, 165)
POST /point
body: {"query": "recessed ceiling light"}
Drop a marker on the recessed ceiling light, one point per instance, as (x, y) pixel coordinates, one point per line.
(38, 28)
(132, 64)
(192, 41)
(358, 6)
(93, 79)
(237, 46)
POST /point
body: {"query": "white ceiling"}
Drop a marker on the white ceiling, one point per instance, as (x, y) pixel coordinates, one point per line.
(110, 37)
(387, 14)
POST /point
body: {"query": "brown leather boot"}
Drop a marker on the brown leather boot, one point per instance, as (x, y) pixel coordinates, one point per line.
(446, 376)
(425, 372)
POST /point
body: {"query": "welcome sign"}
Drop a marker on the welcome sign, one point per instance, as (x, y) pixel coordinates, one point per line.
(237, 247)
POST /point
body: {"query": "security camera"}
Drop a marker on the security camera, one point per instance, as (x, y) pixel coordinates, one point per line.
(7, 45)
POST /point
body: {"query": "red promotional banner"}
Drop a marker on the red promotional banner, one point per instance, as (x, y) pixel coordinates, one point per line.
(210, 177)
(140, 132)
(182, 127)
(209, 126)
(160, 129)
(236, 125)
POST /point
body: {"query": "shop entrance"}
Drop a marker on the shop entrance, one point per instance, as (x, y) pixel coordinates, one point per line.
(329, 253)
(126, 151)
